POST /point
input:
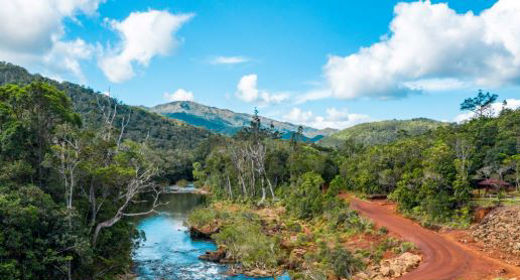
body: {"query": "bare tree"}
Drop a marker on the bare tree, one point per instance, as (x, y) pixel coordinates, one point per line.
(238, 160)
(141, 183)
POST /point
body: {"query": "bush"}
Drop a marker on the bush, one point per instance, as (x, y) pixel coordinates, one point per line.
(306, 200)
(202, 216)
(182, 183)
(246, 243)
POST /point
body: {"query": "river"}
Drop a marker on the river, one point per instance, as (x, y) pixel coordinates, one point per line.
(169, 253)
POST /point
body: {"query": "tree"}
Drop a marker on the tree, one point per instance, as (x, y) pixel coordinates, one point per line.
(480, 104)
(305, 199)
(36, 110)
(513, 162)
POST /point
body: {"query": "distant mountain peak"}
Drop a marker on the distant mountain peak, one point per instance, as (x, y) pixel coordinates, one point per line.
(226, 121)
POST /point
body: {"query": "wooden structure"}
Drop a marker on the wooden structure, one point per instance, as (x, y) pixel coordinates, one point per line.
(493, 185)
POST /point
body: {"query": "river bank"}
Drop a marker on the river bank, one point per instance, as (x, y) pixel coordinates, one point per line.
(168, 252)
(266, 241)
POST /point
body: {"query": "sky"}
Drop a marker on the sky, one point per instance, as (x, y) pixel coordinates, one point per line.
(321, 63)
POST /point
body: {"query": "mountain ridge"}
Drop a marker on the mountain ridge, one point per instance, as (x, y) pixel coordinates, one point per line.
(163, 132)
(382, 132)
(226, 121)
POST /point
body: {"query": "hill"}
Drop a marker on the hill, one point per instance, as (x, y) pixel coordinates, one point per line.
(382, 132)
(161, 131)
(226, 121)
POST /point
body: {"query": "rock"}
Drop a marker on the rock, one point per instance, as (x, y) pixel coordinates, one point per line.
(214, 256)
(203, 232)
(399, 265)
(361, 276)
(386, 271)
(500, 229)
(257, 273)
(481, 212)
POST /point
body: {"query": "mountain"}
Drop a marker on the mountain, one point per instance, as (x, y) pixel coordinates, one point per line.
(161, 131)
(382, 132)
(228, 122)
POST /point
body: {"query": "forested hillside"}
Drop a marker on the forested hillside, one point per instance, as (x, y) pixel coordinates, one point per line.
(69, 188)
(382, 132)
(161, 131)
(432, 171)
(178, 141)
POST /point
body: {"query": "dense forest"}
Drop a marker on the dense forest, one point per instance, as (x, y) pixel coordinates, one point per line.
(77, 167)
(73, 174)
(382, 132)
(173, 137)
(433, 177)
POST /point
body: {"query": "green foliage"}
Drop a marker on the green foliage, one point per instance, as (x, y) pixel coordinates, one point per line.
(35, 242)
(340, 260)
(256, 165)
(330, 259)
(305, 199)
(246, 242)
(479, 104)
(241, 233)
(203, 216)
(383, 132)
(88, 179)
(432, 177)
(180, 143)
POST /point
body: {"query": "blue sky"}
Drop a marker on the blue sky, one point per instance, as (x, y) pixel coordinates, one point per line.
(295, 60)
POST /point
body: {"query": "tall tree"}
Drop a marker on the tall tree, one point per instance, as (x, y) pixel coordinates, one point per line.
(480, 104)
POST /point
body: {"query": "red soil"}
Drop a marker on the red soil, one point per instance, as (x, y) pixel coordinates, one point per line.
(443, 257)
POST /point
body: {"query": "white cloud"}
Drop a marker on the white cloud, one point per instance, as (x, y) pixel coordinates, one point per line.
(179, 95)
(314, 94)
(495, 107)
(334, 118)
(143, 36)
(229, 60)
(247, 91)
(32, 34)
(431, 47)
(298, 116)
(436, 84)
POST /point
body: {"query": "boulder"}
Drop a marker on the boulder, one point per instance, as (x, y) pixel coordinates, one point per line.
(203, 232)
(214, 256)
(391, 268)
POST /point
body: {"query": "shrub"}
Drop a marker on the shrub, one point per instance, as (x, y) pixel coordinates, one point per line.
(202, 216)
(246, 243)
(306, 200)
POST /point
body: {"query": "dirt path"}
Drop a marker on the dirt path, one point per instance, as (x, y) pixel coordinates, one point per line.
(442, 258)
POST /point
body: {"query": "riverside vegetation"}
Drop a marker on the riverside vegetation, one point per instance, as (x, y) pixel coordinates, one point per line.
(76, 167)
(431, 176)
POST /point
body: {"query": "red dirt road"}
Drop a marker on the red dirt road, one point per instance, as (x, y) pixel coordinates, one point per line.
(443, 259)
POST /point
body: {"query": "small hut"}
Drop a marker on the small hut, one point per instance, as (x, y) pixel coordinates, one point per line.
(493, 185)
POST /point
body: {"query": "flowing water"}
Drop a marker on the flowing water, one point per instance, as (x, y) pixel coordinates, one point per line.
(169, 253)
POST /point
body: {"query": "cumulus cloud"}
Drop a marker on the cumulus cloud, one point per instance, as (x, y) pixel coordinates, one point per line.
(32, 34)
(179, 95)
(333, 118)
(432, 47)
(143, 36)
(229, 60)
(496, 108)
(314, 94)
(247, 90)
